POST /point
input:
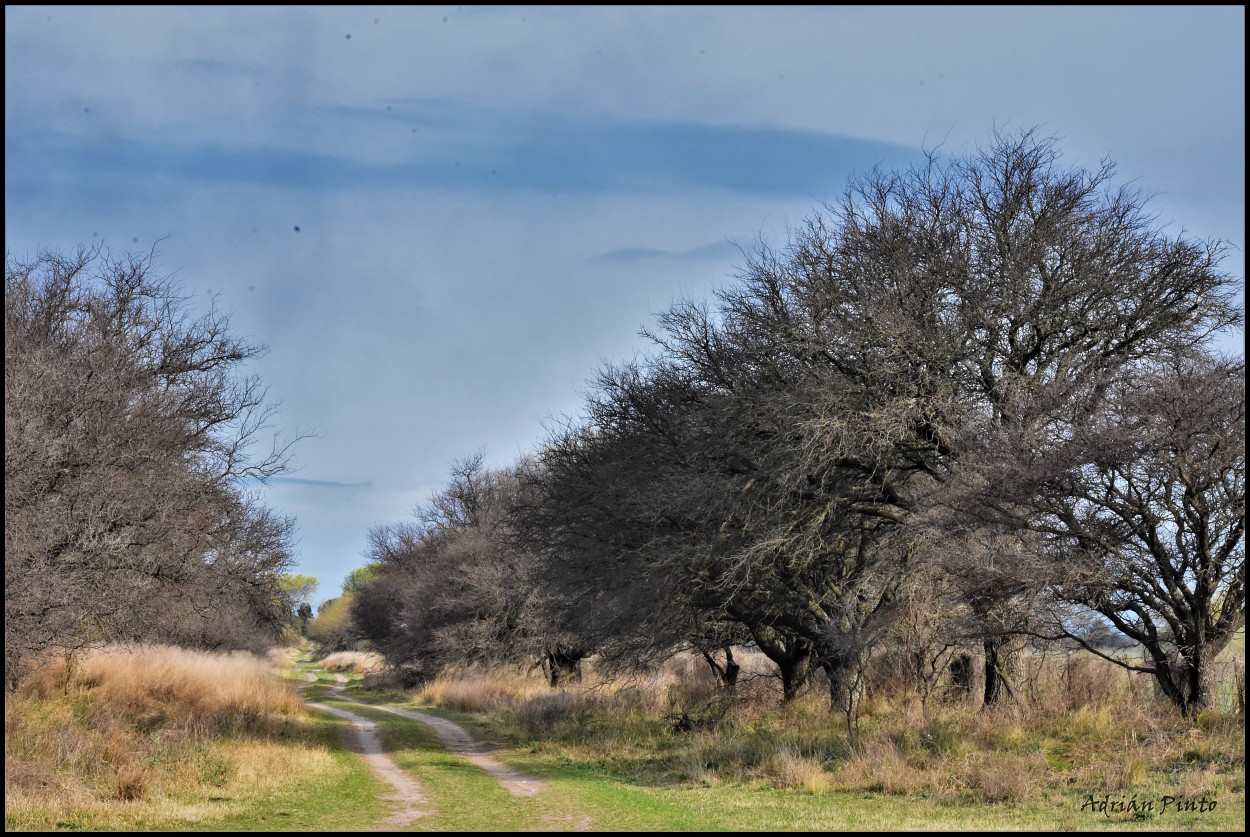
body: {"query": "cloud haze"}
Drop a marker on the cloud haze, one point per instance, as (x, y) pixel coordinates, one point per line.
(491, 201)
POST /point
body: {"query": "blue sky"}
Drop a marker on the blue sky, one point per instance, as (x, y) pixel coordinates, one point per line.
(441, 220)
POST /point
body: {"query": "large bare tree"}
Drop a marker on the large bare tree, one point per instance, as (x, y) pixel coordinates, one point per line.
(944, 311)
(130, 428)
(793, 451)
(454, 586)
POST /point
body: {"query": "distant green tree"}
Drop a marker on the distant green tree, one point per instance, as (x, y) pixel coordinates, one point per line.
(298, 587)
(295, 592)
(332, 629)
(303, 615)
(361, 576)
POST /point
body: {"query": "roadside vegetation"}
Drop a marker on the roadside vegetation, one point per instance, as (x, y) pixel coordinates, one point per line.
(1088, 732)
(134, 433)
(357, 662)
(941, 501)
(975, 410)
(167, 739)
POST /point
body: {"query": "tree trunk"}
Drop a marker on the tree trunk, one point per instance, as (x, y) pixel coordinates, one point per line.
(791, 654)
(1182, 681)
(997, 661)
(795, 668)
(961, 671)
(727, 674)
(839, 674)
(564, 666)
(1196, 687)
(732, 669)
(842, 684)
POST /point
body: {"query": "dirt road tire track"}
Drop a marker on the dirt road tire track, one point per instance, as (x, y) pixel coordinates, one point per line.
(367, 743)
(457, 740)
(408, 792)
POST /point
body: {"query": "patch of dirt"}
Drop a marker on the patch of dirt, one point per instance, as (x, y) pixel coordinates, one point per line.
(367, 743)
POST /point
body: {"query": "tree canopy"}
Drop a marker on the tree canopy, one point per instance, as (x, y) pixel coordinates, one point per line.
(956, 375)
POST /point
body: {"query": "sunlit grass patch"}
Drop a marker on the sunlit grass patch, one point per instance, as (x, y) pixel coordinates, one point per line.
(357, 662)
(476, 690)
(152, 738)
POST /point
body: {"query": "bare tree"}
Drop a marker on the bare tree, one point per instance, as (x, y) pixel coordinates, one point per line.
(942, 311)
(129, 428)
(668, 522)
(793, 452)
(1144, 511)
(928, 634)
(454, 586)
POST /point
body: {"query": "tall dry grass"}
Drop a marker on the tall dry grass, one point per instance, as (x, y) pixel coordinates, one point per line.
(121, 728)
(482, 690)
(358, 662)
(1078, 722)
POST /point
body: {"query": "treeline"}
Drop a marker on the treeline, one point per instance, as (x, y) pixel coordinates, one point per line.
(131, 430)
(977, 400)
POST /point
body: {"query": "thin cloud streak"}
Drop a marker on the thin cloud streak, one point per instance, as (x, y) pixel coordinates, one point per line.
(562, 156)
(320, 483)
(716, 250)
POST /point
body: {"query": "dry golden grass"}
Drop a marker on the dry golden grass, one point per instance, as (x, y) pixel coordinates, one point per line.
(788, 769)
(1078, 723)
(879, 766)
(359, 662)
(222, 690)
(129, 734)
(476, 690)
(1003, 777)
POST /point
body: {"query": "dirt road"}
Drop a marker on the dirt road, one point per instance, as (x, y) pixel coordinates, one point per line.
(368, 743)
(407, 791)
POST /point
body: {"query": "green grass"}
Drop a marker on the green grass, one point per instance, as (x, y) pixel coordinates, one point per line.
(343, 798)
(617, 802)
(347, 799)
(620, 768)
(636, 787)
(466, 798)
(626, 771)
